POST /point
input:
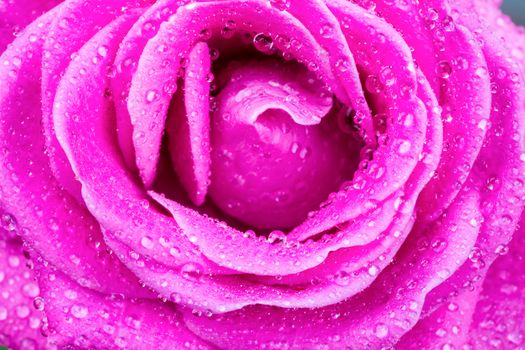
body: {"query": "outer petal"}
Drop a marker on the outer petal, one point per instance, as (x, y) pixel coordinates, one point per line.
(20, 302)
(499, 320)
(74, 23)
(85, 319)
(16, 15)
(51, 221)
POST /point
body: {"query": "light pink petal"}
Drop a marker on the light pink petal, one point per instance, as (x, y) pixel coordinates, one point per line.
(342, 274)
(394, 161)
(325, 26)
(188, 126)
(498, 174)
(447, 327)
(459, 77)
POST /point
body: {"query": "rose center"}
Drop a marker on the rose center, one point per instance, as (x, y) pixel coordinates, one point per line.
(277, 151)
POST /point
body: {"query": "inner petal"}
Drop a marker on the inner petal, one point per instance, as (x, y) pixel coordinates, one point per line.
(277, 150)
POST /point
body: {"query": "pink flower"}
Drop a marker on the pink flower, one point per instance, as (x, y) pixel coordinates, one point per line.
(253, 174)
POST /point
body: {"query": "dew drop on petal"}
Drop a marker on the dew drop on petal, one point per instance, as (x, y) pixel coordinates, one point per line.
(263, 43)
(79, 311)
(146, 242)
(381, 330)
(151, 95)
(3, 313)
(281, 5)
(327, 31)
(444, 69)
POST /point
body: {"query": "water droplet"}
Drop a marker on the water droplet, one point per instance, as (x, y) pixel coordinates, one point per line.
(8, 222)
(63, 23)
(343, 64)
(38, 303)
(387, 76)
(152, 95)
(440, 332)
(191, 271)
(373, 84)
(3, 313)
(452, 307)
(342, 278)
(147, 242)
(22, 311)
(373, 270)
(174, 251)
(404, 147)
(444, 69)
(205, 34)
(281, 5)
(214, 54)
(14, 261)
(227, 32)
(148, 29)
(79, 311)
(263, 43)
(277, 237)
(483, 124)
(31, 289)
(327, 30)
(438, 245)
(502, 249)
(381, 330)
(175, 297)
(102, 51)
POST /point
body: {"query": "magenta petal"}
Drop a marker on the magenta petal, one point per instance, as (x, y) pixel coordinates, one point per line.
(84, 319)
(189, 129)
(375, 318)
(74, 24)
(125, 66)
(151, 90)
(16, 15)
(448, 326)
(20, 301)
(51, 221)
(82, 118)
(271, 141)
(500, 312)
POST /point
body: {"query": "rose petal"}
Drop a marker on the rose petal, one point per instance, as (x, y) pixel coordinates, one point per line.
(376, 318)
(20, 301)
(86, 142)
(51, 221)
(126, 64)
(61, 42)
(83, 318)
(189, 129)
(16, 15)
(498, 320)
(147, 117)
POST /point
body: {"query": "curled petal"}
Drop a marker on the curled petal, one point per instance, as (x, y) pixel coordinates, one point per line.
(51, 221)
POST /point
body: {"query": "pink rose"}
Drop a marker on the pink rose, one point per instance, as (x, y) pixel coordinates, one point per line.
(253, 174)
